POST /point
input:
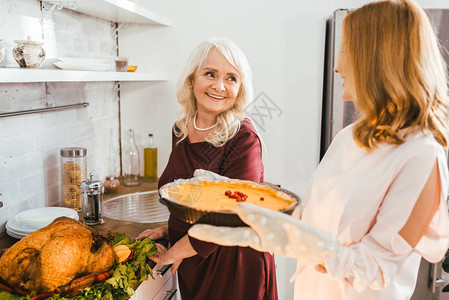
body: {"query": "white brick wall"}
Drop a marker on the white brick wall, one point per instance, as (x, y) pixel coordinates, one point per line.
(30, 144)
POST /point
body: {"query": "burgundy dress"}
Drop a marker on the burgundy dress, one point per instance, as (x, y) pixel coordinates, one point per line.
(219, 272)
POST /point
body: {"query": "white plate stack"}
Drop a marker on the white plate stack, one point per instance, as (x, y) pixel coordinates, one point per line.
(84, 64)
(33, 219)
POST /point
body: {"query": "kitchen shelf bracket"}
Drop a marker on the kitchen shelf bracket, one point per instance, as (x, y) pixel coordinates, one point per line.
(42, 110)
(58, 4)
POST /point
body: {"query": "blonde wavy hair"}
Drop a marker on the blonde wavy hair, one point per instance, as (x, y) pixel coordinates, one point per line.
(399, 74)
(228, 122)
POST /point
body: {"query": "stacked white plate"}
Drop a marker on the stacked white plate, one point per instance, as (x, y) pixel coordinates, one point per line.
(33, 219)
(83, 64)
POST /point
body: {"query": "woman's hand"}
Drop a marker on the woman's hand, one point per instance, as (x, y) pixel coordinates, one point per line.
(154, 234)
(174, 255)
(164, 258)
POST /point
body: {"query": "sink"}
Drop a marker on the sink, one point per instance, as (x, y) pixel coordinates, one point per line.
(141, 207)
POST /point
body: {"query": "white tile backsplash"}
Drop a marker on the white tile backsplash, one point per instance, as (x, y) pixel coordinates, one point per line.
(30, 144)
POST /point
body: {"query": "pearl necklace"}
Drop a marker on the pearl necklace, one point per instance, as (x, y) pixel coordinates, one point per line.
(202, 129)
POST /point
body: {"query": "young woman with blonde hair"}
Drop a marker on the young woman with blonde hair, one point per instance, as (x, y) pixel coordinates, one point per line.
(381, 189)
(214, 134)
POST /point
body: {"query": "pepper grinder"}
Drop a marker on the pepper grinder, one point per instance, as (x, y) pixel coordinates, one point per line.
(92, 197)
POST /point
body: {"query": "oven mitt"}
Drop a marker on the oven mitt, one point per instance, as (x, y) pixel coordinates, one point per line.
(275, 232)
(209, 175)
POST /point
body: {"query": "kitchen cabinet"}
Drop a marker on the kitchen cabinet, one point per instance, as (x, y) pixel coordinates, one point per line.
(162, 288)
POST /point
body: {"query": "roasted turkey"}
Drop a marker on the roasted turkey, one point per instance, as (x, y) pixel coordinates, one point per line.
(61, 257)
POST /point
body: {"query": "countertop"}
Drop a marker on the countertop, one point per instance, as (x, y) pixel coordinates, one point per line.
(131, 229)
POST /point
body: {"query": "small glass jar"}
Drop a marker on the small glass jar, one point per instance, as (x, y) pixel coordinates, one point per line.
(92, 194)
(73, 172)
(111, 185)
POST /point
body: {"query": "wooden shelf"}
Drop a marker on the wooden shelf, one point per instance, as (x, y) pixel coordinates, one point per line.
(10, 75)
(120, 11)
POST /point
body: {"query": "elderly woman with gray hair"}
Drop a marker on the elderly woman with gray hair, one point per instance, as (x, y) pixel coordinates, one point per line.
(213, 133)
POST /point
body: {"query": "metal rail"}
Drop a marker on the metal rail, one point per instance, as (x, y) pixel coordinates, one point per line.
(41, 110)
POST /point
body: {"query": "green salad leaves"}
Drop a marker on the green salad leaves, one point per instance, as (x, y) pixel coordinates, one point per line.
(124, 276)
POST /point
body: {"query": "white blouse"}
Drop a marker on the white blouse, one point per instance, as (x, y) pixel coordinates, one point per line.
(365, 198)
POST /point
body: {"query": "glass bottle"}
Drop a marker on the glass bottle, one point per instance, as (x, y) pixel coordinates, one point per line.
(150, 161)
(131, 162)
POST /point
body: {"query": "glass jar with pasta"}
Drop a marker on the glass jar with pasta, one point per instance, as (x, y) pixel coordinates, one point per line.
(73, 172)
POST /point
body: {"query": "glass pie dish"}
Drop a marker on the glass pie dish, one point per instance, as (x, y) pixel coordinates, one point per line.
(187, 210)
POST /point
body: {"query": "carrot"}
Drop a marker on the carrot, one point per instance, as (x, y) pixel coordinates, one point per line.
(43, 296)
(19, 291)
(6, 288)
(74, 293)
